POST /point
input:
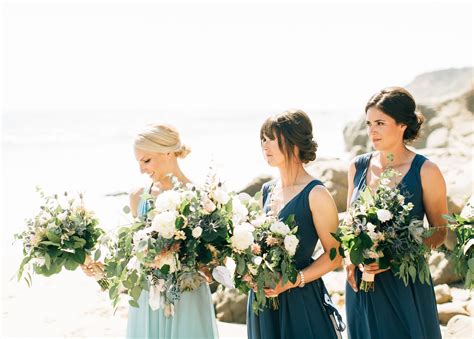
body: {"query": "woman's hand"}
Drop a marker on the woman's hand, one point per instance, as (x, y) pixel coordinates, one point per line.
(206, 272)
(279, 288)
(374, 268)
(350, 270)
(91, 268)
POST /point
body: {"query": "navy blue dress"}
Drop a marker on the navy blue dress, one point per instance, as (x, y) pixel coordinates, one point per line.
(393, 310)
(304, 312)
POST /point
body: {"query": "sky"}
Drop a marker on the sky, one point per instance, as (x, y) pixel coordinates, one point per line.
(147, 55)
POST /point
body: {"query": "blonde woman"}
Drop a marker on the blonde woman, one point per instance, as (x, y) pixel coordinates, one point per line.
(157, 150)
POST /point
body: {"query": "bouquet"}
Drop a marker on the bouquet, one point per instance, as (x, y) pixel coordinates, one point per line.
(166, 252)
(60, 235)
(463, 252)
(263, 249)
(378, 228)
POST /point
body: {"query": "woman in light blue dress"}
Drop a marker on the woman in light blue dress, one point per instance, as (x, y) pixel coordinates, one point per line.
(157, 149)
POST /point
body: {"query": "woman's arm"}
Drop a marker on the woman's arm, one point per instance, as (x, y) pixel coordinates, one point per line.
(134, 201)
(435, 202)
(325, 218)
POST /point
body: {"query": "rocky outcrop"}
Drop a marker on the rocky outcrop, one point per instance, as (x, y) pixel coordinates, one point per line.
(230, 305)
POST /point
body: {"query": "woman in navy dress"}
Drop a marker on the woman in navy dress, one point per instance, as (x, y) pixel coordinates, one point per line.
(394, 310)
(305, 310)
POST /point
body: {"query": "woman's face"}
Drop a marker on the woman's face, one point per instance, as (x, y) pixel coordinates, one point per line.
(271, 152)
(156, 165)
(384, 132)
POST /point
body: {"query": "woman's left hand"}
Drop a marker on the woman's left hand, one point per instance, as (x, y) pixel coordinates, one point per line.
(374, 268)
(279, 288)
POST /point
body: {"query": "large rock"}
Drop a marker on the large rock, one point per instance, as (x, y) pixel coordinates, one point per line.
(230, 305)
(459, 327)
(333, 174)
(443, 294)
(433, 87)
(448, 310)
(256, 184)
(442, 269)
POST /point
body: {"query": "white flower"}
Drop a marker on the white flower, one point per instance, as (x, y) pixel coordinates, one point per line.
(280, 227)
(348, 218)
(257, 260)
(62, 216)
(222, 275)
(154, 299)
(400, 198)
(221, 196)
(139, 236)
(258, 221)
(384, 215)
(385, 181)
(243, 237)
(371, 227)
(164, 224)
(291, 242)
(168, 201)
(244, 197)
(409, 206)
(208, 205)
(168, 258)
(133, 264)
(197, 232)
(239, 210)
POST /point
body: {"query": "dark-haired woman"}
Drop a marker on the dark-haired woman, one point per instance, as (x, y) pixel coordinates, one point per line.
(394, 310)
(305, 310)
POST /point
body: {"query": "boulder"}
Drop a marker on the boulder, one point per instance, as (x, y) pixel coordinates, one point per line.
(230, 305)
(443, 294)
(448, 310)
(459, 327)
(333, 174)
(442, 269)
(256, 185)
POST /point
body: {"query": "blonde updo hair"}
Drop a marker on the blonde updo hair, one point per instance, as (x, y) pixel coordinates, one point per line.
(161, 138)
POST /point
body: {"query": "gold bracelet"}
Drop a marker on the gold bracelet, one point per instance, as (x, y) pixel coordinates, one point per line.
(302, 283)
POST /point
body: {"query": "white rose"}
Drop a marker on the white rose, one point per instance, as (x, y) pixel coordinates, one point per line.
(164, 224)
(62, 216)
(280, 228)
(370, 227)
(291, 242)
(197, 232)
(258, 221)
(245, 226)
(167, 201)
(242, 239)
(208, 205)
(384, 215)
(239, 210)
(221, 196)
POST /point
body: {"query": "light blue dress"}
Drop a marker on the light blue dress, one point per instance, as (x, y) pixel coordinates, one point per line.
(193, 313)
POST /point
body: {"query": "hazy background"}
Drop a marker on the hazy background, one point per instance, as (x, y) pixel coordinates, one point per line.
(79, 78)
